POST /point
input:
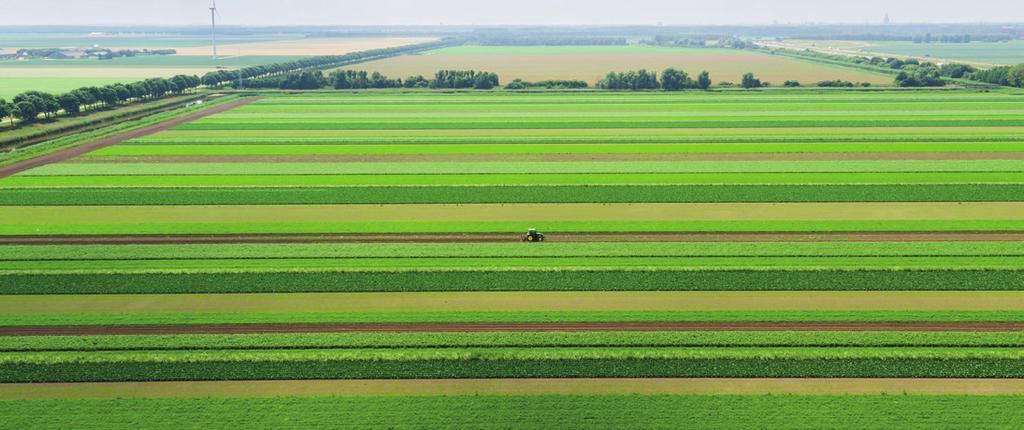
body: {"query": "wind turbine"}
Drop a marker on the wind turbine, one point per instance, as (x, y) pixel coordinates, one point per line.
(213, 28)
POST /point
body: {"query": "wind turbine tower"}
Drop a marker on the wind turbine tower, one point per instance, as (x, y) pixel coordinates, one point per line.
(213, 28)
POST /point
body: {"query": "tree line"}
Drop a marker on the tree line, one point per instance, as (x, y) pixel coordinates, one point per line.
(671, 80)
(1008, 76)
(231, 77)
(565, 84)
(28, 106)
(358, 80)
(552, 41)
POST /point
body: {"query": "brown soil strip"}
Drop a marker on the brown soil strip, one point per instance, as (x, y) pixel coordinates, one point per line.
(505, 328)
(505, 237)
(79, 150)
(506, 387)
(867, 156)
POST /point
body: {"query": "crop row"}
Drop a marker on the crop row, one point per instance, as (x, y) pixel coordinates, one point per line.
(523, 411)
(629, 269)
(510, 179)
(824, 140)
(224, 316)
(512, 363)
(480, 250)
(550, 167)
(173, 281)
(633, 123)
(19, 224)
(505, 340)
(144, 196)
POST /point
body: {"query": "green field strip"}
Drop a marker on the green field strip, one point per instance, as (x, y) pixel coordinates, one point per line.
(128, 305)
(549, 167)
(429, 363)
(620, 135)
(94, 227)
(275, 277)
(213, 318)
(510, 411)
(666, 217)
(298, 195)
(550, 249)
(412, 389)
(564, 123)
(198, 342)
(383, 264)
(298, 182)
(275, 148)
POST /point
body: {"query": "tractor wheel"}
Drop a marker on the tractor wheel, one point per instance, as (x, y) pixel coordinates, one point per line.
(541, 239)
(529, 238)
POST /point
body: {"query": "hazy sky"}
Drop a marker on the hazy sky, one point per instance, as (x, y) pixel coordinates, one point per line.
(431, 12)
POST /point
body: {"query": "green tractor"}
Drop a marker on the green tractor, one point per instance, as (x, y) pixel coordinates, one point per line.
(532, 236)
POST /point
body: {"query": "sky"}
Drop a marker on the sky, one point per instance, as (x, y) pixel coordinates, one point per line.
(538, 12)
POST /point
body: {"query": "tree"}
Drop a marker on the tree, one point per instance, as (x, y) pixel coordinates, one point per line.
(749, 81)
(792, 84)
(920, 77)
(5, 110)
(417, 81)
(485, 81)
(675, 80)
(108, 96)
(26, 111)
(71, 104)
(704, 80)
(1015, 76)
(517, 84)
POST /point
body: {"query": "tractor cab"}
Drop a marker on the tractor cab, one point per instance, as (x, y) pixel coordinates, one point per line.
(533, 236)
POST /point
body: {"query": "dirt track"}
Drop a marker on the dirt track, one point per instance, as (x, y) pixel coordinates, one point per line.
(76, 151)
(506, 237)
(500, 327)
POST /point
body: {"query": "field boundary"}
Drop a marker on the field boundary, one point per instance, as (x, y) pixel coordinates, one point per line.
(66, 154)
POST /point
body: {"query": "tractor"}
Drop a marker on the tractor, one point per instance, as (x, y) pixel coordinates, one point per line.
(532, 236)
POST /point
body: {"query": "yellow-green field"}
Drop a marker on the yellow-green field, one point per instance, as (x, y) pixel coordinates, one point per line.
(590, 63)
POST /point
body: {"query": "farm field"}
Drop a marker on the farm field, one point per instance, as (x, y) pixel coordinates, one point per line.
(591, 63)
(799, 259)
(982, 53)
(193, 58)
